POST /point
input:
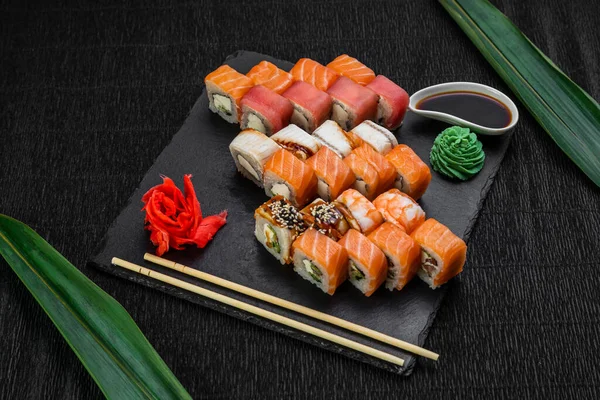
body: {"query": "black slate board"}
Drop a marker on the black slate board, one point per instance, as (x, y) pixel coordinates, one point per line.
(201, 148)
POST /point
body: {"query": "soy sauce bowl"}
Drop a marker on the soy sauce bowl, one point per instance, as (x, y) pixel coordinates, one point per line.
(454, 120)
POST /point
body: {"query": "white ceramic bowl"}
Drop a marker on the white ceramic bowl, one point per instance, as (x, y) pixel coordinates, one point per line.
(453, 120)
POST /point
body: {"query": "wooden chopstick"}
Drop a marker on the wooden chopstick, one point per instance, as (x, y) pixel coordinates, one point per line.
(293, 306)
(259, 311)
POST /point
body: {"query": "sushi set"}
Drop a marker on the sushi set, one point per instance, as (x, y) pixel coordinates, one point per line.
(320, 194)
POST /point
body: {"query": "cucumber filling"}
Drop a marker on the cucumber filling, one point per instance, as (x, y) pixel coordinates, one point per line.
(271, 239)
(222, 103)
(429, 263)
(313, 271)
(355, 273)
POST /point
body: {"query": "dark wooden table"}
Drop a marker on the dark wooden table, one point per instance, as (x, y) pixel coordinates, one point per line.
(92, 92)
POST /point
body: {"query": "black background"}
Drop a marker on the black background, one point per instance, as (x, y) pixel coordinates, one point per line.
(90, 93)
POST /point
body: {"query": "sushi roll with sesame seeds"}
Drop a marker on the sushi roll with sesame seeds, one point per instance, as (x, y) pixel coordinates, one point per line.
(325, 218)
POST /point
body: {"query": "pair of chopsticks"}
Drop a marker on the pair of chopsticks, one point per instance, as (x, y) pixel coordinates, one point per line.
(273, 316)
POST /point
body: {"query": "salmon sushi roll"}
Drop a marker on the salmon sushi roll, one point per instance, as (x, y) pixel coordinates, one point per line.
(251, 150)
(265, 111)
(312, 107)
(297, 141)
(392, 103)
(352, 103)
(267, 74)
(443, 254)
(225, 88)
(413, 175)
(360, 213)
(352, 68)
(402, 253)
(385, 169)
(278, 224)
(366, 176)
(379, 138)
(400, 209)
(367, 264)
(289, 177)
(333, 175)
(313, 73)
(320, 260)
(325, 218)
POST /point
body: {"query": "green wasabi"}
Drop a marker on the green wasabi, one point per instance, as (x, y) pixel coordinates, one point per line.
(457, 153)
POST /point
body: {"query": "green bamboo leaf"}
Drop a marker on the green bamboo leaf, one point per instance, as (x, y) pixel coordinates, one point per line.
(99, 330)
(566, 112)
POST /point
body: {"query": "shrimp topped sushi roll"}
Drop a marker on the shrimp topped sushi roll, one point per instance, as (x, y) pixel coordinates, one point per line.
(366, 176)
(392, 104)
(443, 254)
(330, 134)
(413, 174)
(265, 110)
(325, 218)
(267, 74)
(225, 88)
(311, 72)
(311, 106)
(278, 224)
(352, 68)
(379, 138)
(251, 150)
(367, 264)
(300, 143)
(386, 171)
(400, 209)
(332, 172)
(320, 260)
(289, 177)
(360, 213)
(352, 103)
(402, 252)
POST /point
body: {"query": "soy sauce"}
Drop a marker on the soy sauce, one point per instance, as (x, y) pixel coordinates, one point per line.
(473, 107)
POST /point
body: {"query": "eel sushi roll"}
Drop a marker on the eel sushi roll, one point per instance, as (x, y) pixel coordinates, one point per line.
(392, 104)
(360, 213)
(295, 140)
(325, 218)
(267, 74)
(278, 224)
(443, 254)
(352, 68)
(366, 176)
(330, 134)
(376, 136)
(385, 169)
(320, 260)
(265, 110)
(333, 175)
(413, 174)
(287, 176)
(225, 88)
(311, 106)
(251, 150)
(402, 253)
(367, 264)
(352, 103)
(313, 73)
(400, 209)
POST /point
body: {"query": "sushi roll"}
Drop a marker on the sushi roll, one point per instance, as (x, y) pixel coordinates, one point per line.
(330, 134)
(311, 106)
(386, 171)
(400, 209)
(250, 151)
(267, 74)
(278, 224)
(320, 260)
(360, 213)
(313, 73)
(366, 176)
(225, 88)
(352, 103)
(265, 110)
(325, 218)
(402, 253)
(443, 254)
(376, 136)
(413, 175)
(289, 177)
(367, 264)
(392, 104)
(333, 175)
(295, 140)
(352, 68)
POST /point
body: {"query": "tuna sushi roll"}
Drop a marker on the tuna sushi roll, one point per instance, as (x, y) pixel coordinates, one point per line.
(320, 260)
(385, 170)
(443, 254)
(311, 106)
(289, 177)
(225, 88)
(295, 140)
(333, 174)
(360, 213)
(267, 74)
(265, 110)
(366, 176)
(376, 136)
(352, 68)
(325, 218)
(313, 73)
(330, 134)
(402, 252)
(352, 103)
(251, 150)
(278, 224)
(392, 104)
(400, 209)
(367, 264)
(413, 174)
